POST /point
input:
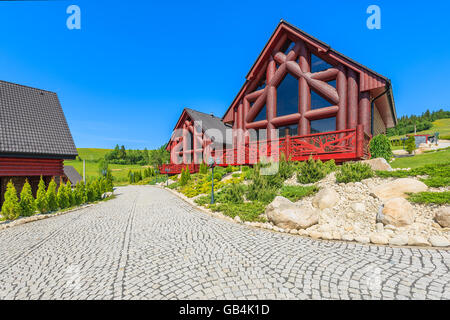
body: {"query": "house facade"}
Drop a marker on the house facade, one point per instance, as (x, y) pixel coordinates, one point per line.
(34, 137)
(300, 93)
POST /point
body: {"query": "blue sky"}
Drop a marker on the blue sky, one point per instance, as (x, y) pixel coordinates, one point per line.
(134, 65)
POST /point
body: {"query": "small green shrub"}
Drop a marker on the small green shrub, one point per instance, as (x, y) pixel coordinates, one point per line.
(353, 172)
(436, 182)
(79, 193)
(410, 144)
(41, 199)
(232, 193)
(248, 211)
(430, 197)
(10, 207)
(26, 203)
(312, 171)
(52, 200)
(185, 176)
(380, 147)
(203, 169)
(295, 193)
(63, 201)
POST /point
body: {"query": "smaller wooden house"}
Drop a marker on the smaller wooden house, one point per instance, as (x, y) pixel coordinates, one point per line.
(34, 137)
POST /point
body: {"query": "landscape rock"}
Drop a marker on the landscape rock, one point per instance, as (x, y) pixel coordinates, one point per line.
(379, 227)
(379, 238)
(443, 217)
(347, 237)
(379, 164)
(358, 207)
(418, 241)
(400, 240)
(286, 214)
(399, 188)
(398, 212)
(439, 241)
(325, 198)
(362, 239)
(315, 234)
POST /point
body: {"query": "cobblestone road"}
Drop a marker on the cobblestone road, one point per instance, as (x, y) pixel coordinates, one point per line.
(148, 244)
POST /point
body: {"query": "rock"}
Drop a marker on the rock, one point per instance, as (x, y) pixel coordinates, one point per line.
(336, 235)
(379, 238)
(398, 188)
(358, 207)
(400, 240)
(390, 227)
(315, 234)
(398, 212)
(293, 231)
(327, 236)
(378, 164)
(418, 241)
(379, 227)
(286, 214)
(325, 198)
(443, 217)
(439, 241)
(362, 239)
(347, 237)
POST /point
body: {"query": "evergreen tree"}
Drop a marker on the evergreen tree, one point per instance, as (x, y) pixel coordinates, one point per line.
(52, 201)
(70, 195)
(410, 144)
(63, 201)
(27, 205)
(109, 181)
(10, 207)
(41, 198)
(122, 153)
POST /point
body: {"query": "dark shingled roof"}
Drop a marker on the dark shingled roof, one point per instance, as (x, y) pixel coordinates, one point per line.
(72, 174)
(32, 123)
(209, 121)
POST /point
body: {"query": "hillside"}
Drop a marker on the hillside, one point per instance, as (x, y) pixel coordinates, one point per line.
(92, 154)
(442, 126)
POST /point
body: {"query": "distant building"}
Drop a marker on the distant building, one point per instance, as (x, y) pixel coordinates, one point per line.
(319, 103)
(34, 137)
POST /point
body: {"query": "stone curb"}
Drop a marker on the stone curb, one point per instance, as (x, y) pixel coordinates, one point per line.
(363, 240)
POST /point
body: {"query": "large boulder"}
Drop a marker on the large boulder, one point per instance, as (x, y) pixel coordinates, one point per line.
(379, 164)
(288, 215)
(399, 188)
(443, 217)
(397, 212)
(325, 198)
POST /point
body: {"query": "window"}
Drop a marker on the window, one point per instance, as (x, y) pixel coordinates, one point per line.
(261, 115)
(287, 96)
(318, 64)
(323, 125)
(291, 130)
(317, 101)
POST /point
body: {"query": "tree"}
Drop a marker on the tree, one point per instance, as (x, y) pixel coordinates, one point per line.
(159, 156)
(109, 181)
(52, 201)
(122, 153)
(41, 199)
(380, 147)
(26, 203)
(410, 144)
(63, 201)
(70, 195)
(102, 167)
(11, 208)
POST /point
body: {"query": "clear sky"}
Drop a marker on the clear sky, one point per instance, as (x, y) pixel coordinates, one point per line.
(134, 65)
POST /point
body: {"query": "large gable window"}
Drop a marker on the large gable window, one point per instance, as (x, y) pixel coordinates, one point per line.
(318, 64)
(262, 115)
(287, 96)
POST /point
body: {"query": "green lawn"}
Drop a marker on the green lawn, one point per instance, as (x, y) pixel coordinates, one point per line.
(442, 126)
(422, 159)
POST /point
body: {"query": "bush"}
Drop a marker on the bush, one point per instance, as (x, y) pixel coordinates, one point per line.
(185, 176)
(203, 169)
(27, 205)
(437, 182)
(312, 171)
(410, 144)
(79, 193)
(41, 198)
(249, 211)
(295, 193)
(52, 201)
(438, 174)
(10, 207)
(431, 197)
(63, 201)
(232, 193)
(380, 147)
(353, 172)
(89, 192)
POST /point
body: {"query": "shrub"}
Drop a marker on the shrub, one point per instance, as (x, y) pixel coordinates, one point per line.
(410, 144)
(70, 194)
(431, 197)
(89, 192)
(95, 186)
(380, 147)
(185, 176)
(27, 204)
(312, 171)
(232, 193)
(353, 172)
(78, 194)
(41, 198)
(203, 169)
(10, 207)
(248, 211)
(436, 182)
(52, 201)
(63, 201)
(295, 193)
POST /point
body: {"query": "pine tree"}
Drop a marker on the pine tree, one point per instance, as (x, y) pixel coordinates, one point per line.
(11, 208)
(70, 195)
(52, 201)
(410, 144)
(62, 196)
(41, 198)
(109, 181)
(26, 203)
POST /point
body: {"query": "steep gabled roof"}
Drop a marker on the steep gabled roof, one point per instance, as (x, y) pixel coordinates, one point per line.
(72, 174)
(32, 123)
(369, 79)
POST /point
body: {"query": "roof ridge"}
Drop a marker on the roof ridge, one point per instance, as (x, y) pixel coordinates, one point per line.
(25, 86)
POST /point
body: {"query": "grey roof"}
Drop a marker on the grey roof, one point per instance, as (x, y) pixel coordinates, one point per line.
(72, 174)
(209, 121)
(32, 123)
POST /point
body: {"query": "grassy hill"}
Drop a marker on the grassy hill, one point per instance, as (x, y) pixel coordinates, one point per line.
(92, 153)
(442, 126)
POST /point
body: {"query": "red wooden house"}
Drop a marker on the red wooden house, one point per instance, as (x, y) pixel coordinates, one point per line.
(34, 136)
(305, 96)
